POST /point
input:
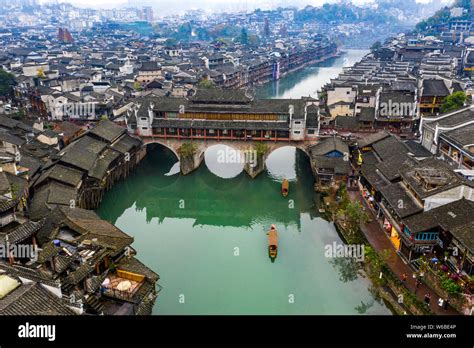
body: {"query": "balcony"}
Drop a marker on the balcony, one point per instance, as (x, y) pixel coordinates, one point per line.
(123, 285)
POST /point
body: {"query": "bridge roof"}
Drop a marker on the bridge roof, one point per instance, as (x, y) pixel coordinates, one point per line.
(257, 106)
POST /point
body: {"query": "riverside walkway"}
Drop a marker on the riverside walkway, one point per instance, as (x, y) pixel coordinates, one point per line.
(379, 241)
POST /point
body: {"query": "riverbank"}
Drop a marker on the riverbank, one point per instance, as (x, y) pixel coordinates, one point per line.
(308, 80)
(270, 78)
(384, 267)
(309, 63)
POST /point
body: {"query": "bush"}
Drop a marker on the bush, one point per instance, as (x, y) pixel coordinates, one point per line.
(187, 149)
(450, 286)
(261, 148)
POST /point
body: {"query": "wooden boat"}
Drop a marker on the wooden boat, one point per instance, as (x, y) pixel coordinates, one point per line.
(272, 242)
(285, 186)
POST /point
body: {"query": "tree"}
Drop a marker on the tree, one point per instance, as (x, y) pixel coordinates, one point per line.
(137, 86)
(376, 46)
(266, 28)
(41, 73)
(450, 286)
(171, 42)
(206, 84)
(244, 37)
(353, 216)
(261, 149)
(253, 40)
(453, 102)
(184, 31)
(7, 80)
(188, 149)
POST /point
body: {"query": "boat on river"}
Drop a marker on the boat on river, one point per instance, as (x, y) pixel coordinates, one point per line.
(285, 186)
(272, 242)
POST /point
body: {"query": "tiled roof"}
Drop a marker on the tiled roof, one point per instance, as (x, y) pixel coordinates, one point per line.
(22, 232)
(33, 299)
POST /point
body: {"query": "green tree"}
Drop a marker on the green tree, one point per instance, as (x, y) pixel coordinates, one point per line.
(353, 215)
(244, 37)
(7, 81)
(184, 31)
(376, 46)
(206, 84)
(171, 42)
(137, 86)
(261, 148)
(253, 40)
(450, 286)
(453, 102)
(188, 149)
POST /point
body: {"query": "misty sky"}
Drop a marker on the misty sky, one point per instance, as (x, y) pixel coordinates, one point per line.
(197, 3)
(164, 7)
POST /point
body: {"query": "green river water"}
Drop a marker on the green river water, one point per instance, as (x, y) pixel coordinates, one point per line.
(205, 235)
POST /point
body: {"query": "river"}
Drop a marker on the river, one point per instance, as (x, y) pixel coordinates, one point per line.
(205, 235)
(308, 81)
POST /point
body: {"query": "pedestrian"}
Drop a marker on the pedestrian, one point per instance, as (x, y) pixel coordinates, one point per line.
(404, 278)
(441, 302)
(417, 283)
(446, 304)
(427, 299)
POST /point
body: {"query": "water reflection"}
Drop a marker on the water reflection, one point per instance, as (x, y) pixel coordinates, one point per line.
(175, 169)
(211, 199)
(224, 161)
(221, 225)
(281, 164)
(364, 307)
(347, 267)
(308, 81)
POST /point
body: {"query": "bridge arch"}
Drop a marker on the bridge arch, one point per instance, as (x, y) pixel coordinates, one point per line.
(225, 160)
(202, 145)
(283, 162)
(167, 144)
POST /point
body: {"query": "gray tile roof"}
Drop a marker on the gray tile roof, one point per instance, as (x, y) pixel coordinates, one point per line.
(434, 88)
(33, 299)
(62, 174)
(108, 130)
(439, 170)
(21, 233)
(400, 201)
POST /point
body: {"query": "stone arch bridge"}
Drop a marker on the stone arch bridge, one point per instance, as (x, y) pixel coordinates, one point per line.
(190, 163)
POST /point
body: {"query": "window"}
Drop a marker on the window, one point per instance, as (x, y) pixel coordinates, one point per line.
(311, 131)
(144, 128)
(296, 132)
(143, 119)
(297, 122)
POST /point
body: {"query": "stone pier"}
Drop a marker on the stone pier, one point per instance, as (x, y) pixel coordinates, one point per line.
(189, 163)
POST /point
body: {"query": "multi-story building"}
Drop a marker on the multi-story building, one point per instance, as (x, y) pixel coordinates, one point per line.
(224, 114)
(432, 94)
(148, 72)
(450, 136)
